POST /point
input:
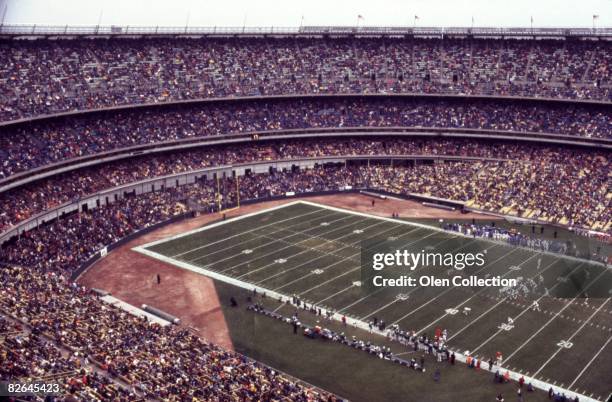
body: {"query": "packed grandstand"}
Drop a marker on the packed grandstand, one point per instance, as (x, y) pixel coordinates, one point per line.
(513, 127)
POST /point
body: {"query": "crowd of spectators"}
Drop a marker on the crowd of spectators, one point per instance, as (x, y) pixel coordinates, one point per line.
(168, 363)
(564, 185)
(47, 76)
(64, 244)
(148, 357)
(37, 144)
(560, 185)
(25, 353)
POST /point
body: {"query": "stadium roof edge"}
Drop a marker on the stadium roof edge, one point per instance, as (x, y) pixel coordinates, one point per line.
(68, 31)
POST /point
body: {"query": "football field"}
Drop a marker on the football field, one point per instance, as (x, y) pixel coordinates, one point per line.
(314, 252)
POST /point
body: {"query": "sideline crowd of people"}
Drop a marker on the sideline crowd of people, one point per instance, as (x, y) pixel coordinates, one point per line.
(419, 346)
(49, 76)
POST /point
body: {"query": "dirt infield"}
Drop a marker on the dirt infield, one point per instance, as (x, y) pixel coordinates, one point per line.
(131, 276)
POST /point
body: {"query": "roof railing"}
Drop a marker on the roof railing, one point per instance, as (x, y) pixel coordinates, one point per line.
(117, 30)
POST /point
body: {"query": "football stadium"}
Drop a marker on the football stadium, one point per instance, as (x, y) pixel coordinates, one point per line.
(342, 212)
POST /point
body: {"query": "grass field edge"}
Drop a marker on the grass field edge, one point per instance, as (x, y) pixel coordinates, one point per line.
(142, 249)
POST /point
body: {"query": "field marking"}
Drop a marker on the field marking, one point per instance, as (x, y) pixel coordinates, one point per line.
(550, 320)
(528, 308)
(382, 288)
(302, 252)
(539, 384)
(502, 300)
(353, 270)
(470, 298)
(308, 262)
(335, 294)
(268, 244)
(457, 234)
(451, 288)
(315, 249)
(414, 289)
(237, 218)
(571, 337)
(328, 240)
(249, 240)
(327, 267)
(273, 252)
(590, 362)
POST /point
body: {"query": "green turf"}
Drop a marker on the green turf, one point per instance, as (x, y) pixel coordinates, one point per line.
(314, 252)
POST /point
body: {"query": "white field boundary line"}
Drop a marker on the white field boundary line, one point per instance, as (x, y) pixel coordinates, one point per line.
(336, 315)
(311, 261)
(255, 258)
(234, 219)
(264, 245)
(437, 229)
(247, 240)
(525, 310)
(571, 337)
(544, 386)
(549, 321)
(241, 233)
(308, 249)
(590, 362)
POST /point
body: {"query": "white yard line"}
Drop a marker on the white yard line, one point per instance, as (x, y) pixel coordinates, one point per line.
(571, 337)
(275, 251)
(590, 362)
(339, 243)
(229, 221)
(349, 271)
(501, 301)
(382, 288)
(309, 262)
(315, 249)
(327, 267)
(529, 307)
(300, 253)
(468, 299)
(549, 321)
(234, 245)
(414, 289)
(449, 289)
(335, 294)
(458, 234)
(268, 244)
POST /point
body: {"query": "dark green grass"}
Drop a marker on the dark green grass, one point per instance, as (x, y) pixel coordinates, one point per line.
(350, 373)
(315, 253)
